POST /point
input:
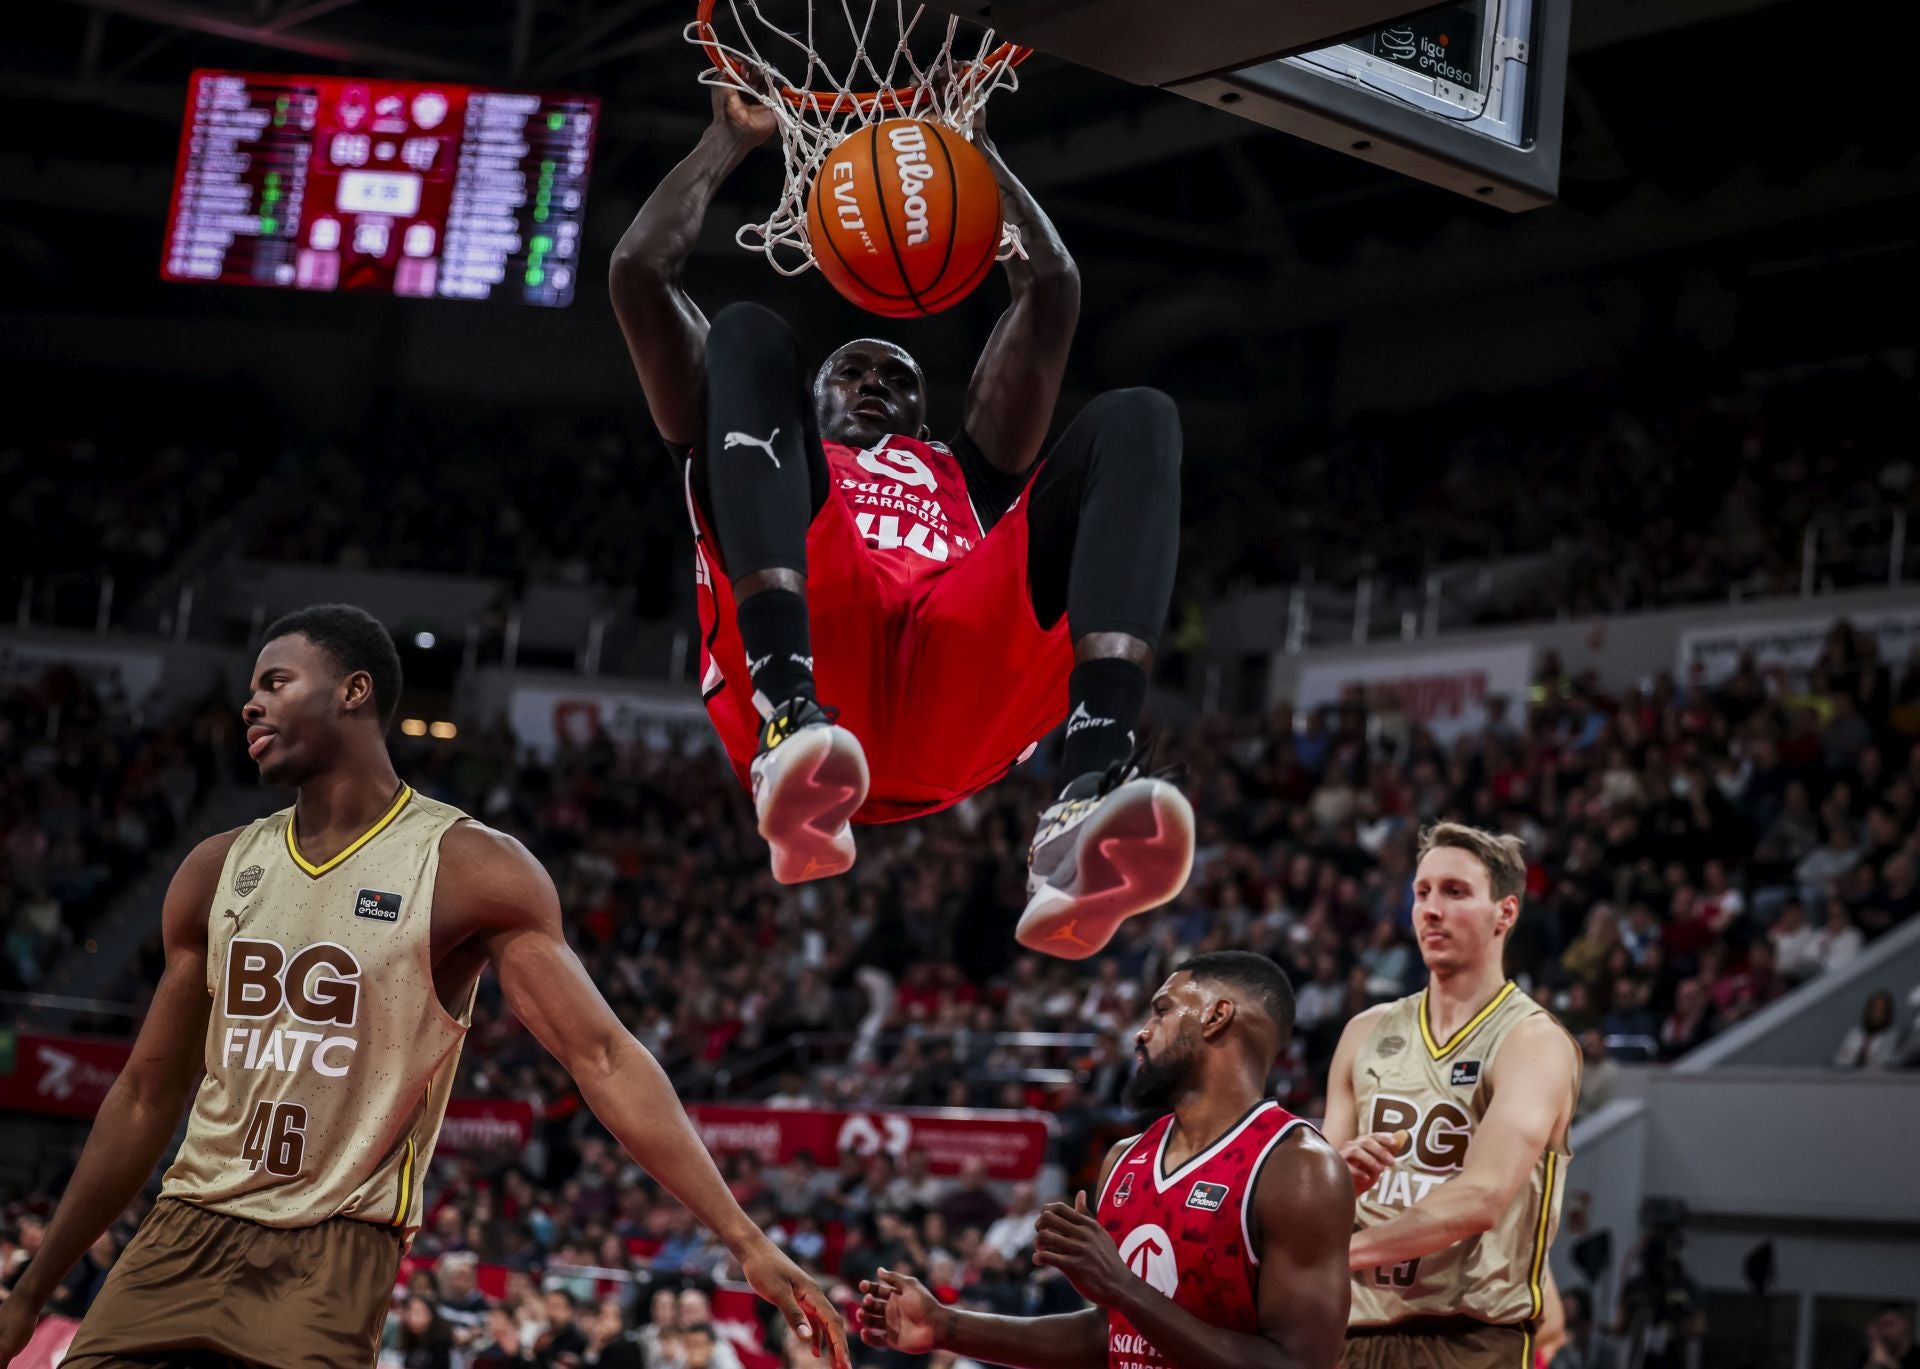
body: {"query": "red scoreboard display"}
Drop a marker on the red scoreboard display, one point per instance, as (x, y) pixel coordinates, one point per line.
(415, 188)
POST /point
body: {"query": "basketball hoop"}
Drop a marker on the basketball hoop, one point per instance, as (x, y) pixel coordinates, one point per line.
(820, 108)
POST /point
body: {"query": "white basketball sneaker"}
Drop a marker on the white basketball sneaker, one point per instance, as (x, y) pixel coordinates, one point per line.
(1112, 846)
(809, 777)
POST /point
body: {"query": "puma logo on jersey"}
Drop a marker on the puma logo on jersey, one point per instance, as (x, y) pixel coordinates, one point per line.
(748, 440)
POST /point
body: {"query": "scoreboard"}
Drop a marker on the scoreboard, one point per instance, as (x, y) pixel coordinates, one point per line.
(425, 189)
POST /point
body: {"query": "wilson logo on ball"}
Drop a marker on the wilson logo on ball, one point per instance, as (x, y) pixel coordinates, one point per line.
(904, 218)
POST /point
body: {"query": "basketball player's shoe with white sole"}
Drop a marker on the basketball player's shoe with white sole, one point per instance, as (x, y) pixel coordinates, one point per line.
(1113, 845)
(809, 776)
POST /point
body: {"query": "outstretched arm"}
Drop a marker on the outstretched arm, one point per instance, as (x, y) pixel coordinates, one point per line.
(898, 1313)
(143, 1107)
(1534, 1084)
(666, 332)
(502, 897)
(1017, 380)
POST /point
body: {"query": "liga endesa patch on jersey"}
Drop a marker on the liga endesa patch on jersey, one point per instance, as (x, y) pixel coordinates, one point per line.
(1464, 1072)
(380, 906)
(1207, 1197)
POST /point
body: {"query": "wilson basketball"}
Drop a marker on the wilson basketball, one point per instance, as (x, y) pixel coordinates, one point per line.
(904, 218)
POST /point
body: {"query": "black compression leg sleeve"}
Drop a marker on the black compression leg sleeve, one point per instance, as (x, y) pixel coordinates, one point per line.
(765, 475)
(1105, 518)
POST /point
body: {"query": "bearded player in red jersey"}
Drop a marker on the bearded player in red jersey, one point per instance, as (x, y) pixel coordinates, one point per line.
(1220, 1237)
(890, 622)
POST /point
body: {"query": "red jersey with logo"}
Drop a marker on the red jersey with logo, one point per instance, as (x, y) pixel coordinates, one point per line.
(1189, 1232)
(924, 635)
(910, 504)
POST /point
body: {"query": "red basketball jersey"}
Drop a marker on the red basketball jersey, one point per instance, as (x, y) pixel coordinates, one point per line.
(1189, 1233)
(909, 501)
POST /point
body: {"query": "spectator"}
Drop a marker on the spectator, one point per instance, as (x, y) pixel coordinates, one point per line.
(1599, 1075)
(1012, 1233)
(1630, 1021)
(1874, 1042)
(425, 1342)
(608, 1344)
(1586, 1346)
(1840, 941)
(697, 1346)
(1690, 1023)
(971, 1203)
(502, 1346)
(1586, 959)
(1796, 946)
(560, 1341)
(1890, 1341)
(663, 1314)
(696, 1310)
(460, 1303)
(1820, 871)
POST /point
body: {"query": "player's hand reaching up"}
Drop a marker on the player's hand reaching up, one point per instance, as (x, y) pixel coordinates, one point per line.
(1368, 1156)
(807, 1312)
(897, 1313)
(741, 117)
(1072, 1241)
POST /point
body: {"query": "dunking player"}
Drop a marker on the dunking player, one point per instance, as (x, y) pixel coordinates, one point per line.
(1220, 1236)
(321, 964)
(1478, 1083)
(959, 599)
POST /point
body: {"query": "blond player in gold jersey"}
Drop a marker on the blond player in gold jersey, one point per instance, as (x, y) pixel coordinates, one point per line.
(321, 965)
(1451, 1108)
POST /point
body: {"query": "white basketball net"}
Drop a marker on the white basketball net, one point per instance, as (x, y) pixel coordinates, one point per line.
(817, 109)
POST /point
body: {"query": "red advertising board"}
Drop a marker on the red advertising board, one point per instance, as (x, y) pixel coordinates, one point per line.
(486, 1126)
(1013, 1144)
(62, 1076)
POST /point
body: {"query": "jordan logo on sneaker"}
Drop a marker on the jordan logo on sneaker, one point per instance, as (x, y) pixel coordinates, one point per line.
(748, 440)
(1070, 934)
(1080, 720)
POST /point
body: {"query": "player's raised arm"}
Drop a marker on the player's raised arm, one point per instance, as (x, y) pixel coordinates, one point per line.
(666, 332)
(143, 1107)
(1534, 1086)
(1017, 379)
(502, 896)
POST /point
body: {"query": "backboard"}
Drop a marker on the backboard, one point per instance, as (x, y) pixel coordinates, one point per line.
(1467, 95)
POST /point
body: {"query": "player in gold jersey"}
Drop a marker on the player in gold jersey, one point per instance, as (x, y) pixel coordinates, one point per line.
(1452, 1108)
(321, 965)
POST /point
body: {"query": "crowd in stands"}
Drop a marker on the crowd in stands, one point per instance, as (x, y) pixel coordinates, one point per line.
(160, 465)
(1679, 497)
(92, 783)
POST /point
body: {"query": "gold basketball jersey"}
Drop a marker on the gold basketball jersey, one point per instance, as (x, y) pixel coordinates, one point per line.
(1437, 1091)
(329, 1054)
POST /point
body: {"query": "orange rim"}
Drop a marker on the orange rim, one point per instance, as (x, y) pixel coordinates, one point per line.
(827, 101)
